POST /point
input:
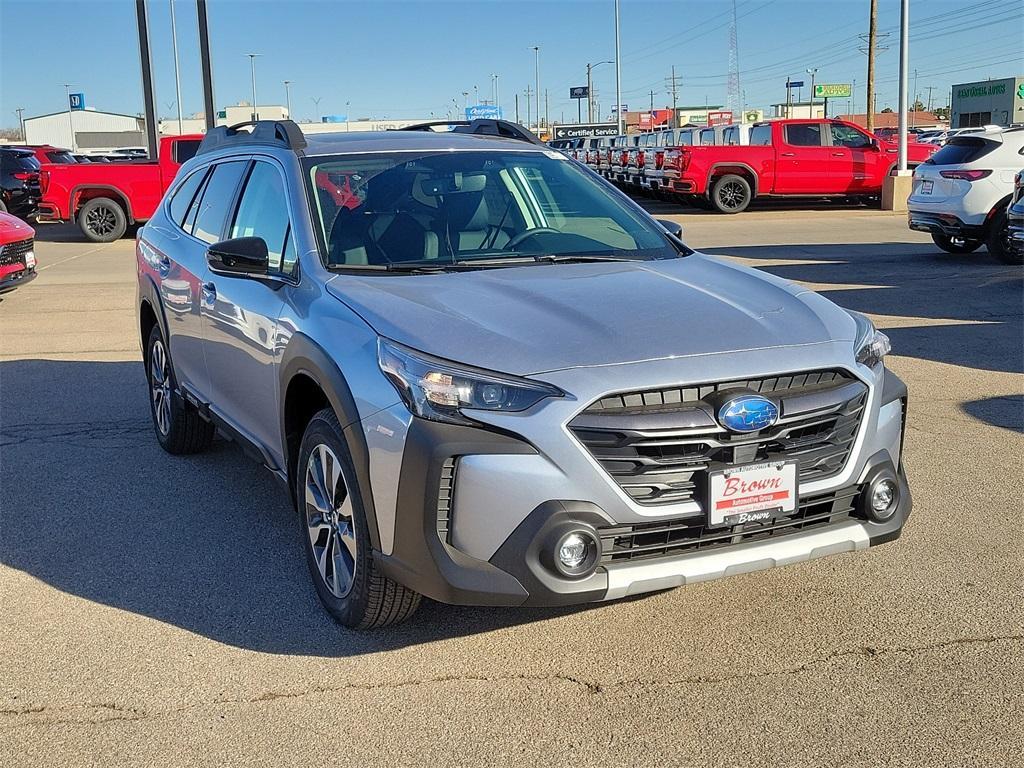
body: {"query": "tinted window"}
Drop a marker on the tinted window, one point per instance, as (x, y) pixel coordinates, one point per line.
(184, 196)
(185, 150)
(804, 134)
(19, 161)
(217, 199)
(848, 136)
(761, 136)
(60, 157)
(707, 137)
(263, 211)
(962, 149)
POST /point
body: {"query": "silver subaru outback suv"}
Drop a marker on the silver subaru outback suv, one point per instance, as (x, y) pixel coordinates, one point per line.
(488, 377)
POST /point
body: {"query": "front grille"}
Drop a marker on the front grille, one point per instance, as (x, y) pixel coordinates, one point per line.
(666, 538)
(14, 253)
(659, 445)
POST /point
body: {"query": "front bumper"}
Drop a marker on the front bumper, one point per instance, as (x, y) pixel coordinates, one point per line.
(11, 280)
(428, 557)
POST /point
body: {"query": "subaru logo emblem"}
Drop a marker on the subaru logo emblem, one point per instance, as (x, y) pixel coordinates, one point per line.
(748, 413)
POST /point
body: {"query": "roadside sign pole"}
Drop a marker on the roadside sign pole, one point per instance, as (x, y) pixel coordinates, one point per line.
(904, 79)
(148, 93)
(206, 67)
(71, 122)
(618, 73)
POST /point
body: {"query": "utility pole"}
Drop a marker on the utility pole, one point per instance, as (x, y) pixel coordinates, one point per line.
(914, 103)
(812, 72)
(652, 101)
(872, 39)
(252, 70)
(177, 78)
(789, 99)
(547, 113)
(288, 98)
(590, 95)
(673, 85)
(205, 65)
(517, 107)
(930, 87)
(21, 122)
(529, 117)
(316, 105)
(536, 80)
(618, 75)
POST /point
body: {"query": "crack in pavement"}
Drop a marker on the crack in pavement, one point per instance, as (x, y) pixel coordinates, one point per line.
(111, 712)
(21, 434)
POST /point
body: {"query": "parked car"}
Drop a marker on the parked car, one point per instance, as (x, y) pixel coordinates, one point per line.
(105, 198)
(479, 328)
(1015, 222)
(960, 195)
(17, 253)
(19, 182)
(819, 158)
(47, 153)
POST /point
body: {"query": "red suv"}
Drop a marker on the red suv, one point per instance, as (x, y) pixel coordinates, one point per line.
(17, 252)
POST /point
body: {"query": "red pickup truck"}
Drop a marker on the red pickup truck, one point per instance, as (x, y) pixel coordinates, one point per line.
(104, 198)
(818, 158)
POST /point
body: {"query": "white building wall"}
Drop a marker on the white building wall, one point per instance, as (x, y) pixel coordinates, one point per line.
(56, 130)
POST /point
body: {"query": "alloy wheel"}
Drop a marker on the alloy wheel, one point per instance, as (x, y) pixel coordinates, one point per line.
(101, 220)
(329, 521)
(160, 386)
(732, 195)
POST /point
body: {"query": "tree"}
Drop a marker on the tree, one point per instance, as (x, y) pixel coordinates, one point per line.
(917, 106)
(887, 110)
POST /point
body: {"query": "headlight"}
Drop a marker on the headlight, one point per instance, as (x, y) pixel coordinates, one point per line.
(439, 390)
(871, 345)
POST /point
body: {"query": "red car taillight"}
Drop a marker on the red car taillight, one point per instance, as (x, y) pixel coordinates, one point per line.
(682, 160)
(965, 175)
(640, 159)
(24, 175)
(659, 160)
(44, 181)
(624, 158)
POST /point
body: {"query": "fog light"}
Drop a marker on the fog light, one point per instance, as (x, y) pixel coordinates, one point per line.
(572, 551)
(883, 499)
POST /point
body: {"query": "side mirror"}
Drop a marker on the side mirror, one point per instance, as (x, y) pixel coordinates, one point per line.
(241, 256)
(672, 227)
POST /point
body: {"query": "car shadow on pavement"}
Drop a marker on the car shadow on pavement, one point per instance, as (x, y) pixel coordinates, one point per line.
(1006, 412)
(92, 506)
(59, 233)
(981, 299)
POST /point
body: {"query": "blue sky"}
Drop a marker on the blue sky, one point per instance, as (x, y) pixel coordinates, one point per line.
(408, 59)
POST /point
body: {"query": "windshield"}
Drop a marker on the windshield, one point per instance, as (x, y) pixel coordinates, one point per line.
(443, 208)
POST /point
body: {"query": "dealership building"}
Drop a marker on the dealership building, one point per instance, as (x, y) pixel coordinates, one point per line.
(989, 102)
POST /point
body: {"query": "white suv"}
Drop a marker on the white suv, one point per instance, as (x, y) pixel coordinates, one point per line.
(960, 193)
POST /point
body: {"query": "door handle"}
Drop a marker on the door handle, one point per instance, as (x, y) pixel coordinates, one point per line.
(789, 154)
(164, 266)
(838, 154)
(209, 294)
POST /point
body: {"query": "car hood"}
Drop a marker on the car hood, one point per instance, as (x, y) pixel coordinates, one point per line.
(546, 317)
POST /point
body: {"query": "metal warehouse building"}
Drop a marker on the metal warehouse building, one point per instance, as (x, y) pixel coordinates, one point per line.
(92, 130)
(989, 102)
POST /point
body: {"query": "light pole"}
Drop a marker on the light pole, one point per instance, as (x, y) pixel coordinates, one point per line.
(348, 115)
(590, 88)
(812, 73)
(288, 97)
(252, 69)
(904, 81)
(476, 95)
(536, 81)
(465, 103)
(494, 92)
(618, 74)
(71, 121)
(177, 78)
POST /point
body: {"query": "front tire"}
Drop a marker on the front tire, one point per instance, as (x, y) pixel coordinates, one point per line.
(179, 427)
(102, 220)
(956, 245)
(335, 536)
(997, 243)
(731, 194)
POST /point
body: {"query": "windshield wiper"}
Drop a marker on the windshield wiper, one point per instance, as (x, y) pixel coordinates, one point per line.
(579, 258)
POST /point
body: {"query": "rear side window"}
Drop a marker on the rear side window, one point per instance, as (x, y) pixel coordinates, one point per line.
(707, 137)
(263, 211)
(962, 149)
(804, 134)
(217, 199)
(60, 157)
(848, 136)
(184, 196)
(185, 150)
(19, 161)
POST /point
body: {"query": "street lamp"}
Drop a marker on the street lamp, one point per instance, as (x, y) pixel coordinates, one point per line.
(288, 97)
(71, 121)
(252, 70)
(618, 75)
(348, 116)
(812, 73)
(536, 81)
(590, 88)
(494, 92)
(177, 79)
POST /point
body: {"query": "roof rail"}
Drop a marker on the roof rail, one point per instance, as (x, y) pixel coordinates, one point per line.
(284, 133)
(481, 127)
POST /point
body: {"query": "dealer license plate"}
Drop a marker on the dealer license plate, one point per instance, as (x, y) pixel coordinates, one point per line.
(30, 259)
(926, 186)
(753, 493)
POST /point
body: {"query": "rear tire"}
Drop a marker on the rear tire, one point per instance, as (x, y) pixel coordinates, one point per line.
(102, 220)
(334, 532)
(997, 244)
(731, 194)
(179, 427)
(957, 245)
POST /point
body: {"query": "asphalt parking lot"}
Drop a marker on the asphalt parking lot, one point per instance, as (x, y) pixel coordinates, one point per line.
(157, 610)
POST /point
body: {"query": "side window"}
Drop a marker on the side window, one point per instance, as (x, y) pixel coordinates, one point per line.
(217, 198)
(707, 137)
(184, 196)
(290, 256)
(804, 134)
(761, 136)
(847, 136)
(263, 211)
(185, 150)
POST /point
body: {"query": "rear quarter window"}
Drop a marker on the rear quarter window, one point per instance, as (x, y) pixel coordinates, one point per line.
(962, 150)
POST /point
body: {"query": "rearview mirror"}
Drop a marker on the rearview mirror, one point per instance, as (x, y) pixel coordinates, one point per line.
(672, 227)
(242, 256)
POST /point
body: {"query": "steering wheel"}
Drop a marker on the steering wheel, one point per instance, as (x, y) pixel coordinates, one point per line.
(517, 239)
